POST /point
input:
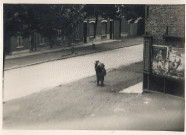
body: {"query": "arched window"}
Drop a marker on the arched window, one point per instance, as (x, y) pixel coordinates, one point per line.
(103, 27)
(91, 28)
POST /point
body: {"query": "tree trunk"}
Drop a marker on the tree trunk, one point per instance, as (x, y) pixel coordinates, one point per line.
(71, 43)
(95, 32)
(72, 49)
(70, 39)
(33, 42)
(95, 26)
(51, 42)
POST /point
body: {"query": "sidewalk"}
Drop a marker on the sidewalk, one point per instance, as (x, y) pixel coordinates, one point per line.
(22, 60)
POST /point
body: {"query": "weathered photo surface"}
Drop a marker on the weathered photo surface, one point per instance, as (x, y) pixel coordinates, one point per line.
(93, 67)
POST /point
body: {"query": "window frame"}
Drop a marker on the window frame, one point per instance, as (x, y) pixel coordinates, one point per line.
(103, 27)
(91, 24)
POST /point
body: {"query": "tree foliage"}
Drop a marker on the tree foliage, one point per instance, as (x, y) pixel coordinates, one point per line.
(131, 12)
(47, 19)
(12, 19)
(43, 18)
(102, 10)
(114, 11)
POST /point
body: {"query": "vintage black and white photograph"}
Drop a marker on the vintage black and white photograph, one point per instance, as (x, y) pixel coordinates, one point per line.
(93, 67)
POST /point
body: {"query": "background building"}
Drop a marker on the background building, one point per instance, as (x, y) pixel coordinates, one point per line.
(84, 33)
(164, 49)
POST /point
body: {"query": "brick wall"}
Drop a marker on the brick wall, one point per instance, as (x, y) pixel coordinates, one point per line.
(158, 18)
(161, 16)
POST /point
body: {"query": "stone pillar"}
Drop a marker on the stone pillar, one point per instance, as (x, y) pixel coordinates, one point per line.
(147, 61)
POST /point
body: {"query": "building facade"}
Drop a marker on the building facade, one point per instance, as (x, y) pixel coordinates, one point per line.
(164, 49)
(84, 33)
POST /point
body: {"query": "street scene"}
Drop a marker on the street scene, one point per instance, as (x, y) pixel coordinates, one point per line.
(91, 67)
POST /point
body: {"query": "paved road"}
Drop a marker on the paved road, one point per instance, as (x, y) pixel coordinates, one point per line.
(24, 81)
(82, 105)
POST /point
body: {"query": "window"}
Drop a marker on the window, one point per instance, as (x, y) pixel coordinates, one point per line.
(91, 29)
(103, 28)
(19, 41)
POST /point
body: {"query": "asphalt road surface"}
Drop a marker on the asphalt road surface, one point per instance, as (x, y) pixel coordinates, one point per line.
(82, 105)
(24, 81)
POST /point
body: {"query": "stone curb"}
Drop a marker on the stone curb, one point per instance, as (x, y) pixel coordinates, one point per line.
(57, 50)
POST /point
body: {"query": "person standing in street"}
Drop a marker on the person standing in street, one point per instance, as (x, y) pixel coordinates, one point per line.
(100, 72)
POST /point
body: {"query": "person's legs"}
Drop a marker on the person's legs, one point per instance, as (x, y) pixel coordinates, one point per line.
(102, 81)
(98, 79)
